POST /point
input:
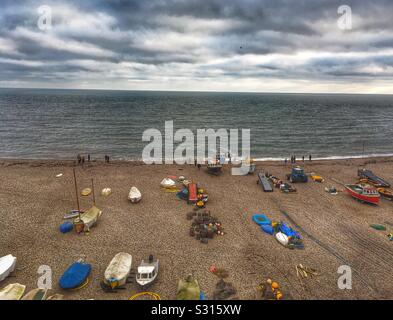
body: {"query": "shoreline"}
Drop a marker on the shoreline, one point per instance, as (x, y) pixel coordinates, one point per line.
(69, 162)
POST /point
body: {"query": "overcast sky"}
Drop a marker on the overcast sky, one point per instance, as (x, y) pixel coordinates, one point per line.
(247, 45)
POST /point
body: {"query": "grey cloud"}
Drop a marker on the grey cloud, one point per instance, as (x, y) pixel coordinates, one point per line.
(255, 35)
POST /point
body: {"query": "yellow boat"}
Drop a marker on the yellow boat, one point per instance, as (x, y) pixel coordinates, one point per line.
(89, 218)
(386, 193)
(317, 178)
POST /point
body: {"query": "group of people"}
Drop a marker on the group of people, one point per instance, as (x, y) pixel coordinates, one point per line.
(293, 159)
(81, 159)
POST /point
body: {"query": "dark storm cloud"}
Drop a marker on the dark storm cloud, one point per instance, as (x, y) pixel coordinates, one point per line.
(220, 41)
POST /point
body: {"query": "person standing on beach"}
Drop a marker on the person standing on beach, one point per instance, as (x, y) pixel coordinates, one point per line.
(88, 157)
(303, 158)
(83, 160)
(195, 162)
(78, 157)
(285, 161)
(309, 157)
(199, 166)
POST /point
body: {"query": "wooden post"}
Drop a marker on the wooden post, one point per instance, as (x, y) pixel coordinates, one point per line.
(92, 188)
(76, 193)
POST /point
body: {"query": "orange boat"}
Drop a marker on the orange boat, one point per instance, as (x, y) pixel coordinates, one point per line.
(192, 193)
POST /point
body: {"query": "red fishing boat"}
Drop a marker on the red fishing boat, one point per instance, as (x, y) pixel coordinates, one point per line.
(363, 193)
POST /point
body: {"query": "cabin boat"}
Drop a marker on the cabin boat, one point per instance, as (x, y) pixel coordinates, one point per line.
(372, 178)
(147, 272)
(363, 193)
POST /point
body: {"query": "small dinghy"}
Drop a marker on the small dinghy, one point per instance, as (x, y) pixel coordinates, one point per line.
(332, 190)
(89, 218)
(282, 238)
(168, 183)
(36, 294)
(147, 272)
(13, 291)
(75, 276)
(7, 265)
(118, 270)
(135, 195)
(86, 192)
(106, 192)
(261, 219)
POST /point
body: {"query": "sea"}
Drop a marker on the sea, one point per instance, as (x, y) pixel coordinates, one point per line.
(59, 124)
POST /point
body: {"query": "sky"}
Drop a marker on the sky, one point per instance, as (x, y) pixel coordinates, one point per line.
(198, 45)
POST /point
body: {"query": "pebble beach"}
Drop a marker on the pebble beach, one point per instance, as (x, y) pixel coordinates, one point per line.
(335, 229)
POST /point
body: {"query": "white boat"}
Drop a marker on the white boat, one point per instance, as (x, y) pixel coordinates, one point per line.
(89, 217)
(135, 195)
(282, 238)
(13, 291)
(106, 192)
(36, 294)
(147, 272)
(118, 270)
(168, 183)
(7, 265)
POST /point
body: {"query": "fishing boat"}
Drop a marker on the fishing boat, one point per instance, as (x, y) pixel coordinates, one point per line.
(7, 265)
(363, 193)
(387, 194)
(372, 178)
(13, 291)
(214, 168)
(168, 183)
(75, 276)
(89, 218)
(147, 272)
(135, 195)
(118, 270)
(36, 294)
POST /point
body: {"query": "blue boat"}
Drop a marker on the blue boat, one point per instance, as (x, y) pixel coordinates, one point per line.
(261, 219)
(75, 275)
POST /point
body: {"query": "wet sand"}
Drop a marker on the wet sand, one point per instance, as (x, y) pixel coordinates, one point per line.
(335, 228)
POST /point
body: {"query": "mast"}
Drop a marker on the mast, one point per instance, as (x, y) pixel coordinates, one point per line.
(76, 193)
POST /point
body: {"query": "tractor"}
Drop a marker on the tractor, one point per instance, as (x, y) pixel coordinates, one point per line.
(297, 175)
